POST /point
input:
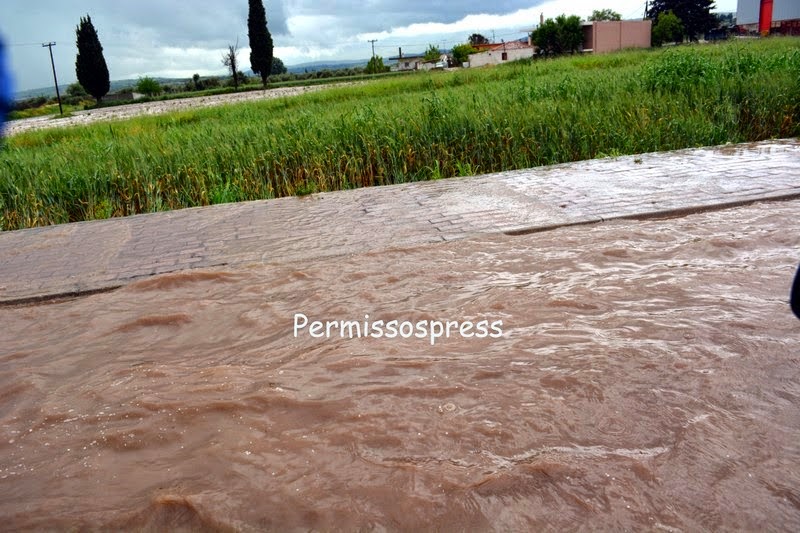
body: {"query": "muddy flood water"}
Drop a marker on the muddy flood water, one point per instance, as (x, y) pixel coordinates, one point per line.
(647, 377)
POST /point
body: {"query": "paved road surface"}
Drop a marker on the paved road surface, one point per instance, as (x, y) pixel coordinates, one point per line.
(71, 259)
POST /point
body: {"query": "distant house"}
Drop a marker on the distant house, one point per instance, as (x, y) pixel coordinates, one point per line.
(407, 62)
(417, 62)
(610, 35)
(483, 47)
(435, 64)
(496, 54)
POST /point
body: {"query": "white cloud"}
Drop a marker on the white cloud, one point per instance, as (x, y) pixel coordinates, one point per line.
(518, 20)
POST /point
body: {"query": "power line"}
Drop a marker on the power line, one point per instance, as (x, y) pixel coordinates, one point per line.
(50, 45)
(373, 41)
(39, 43)
(635, 12)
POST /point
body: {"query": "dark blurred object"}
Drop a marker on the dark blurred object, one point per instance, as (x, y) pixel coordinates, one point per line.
(6, 91)
(794, 299)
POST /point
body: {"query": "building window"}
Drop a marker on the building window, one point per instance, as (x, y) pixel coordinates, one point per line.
(505, 56)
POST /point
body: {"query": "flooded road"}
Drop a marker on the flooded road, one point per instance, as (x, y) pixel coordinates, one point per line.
(647, 377)
(157, 107)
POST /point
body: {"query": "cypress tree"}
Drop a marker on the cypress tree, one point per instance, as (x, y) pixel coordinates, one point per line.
(260, 40)
(90, 66)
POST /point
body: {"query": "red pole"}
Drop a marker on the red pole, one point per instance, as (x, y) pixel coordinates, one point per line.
(765, 17)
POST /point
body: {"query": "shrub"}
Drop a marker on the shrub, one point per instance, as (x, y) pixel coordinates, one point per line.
(278, 67)
(148, 86)
(667, 29)
(197, 82)
(432, 53)
(461, 53)
(30, 103)
(76, 89)
(560, 36)
(376, 66)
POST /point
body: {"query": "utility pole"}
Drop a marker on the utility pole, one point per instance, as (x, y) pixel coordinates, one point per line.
(373, 41)
(646, 8)
(55, 78)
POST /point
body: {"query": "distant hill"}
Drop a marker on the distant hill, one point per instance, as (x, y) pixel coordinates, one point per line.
(325, 65)
(314, 66)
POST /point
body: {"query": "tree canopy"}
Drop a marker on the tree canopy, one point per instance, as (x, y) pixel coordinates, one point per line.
(605, 14)
(432, 53)
(461, 53)
(277, 67)
(261, 50)
(148, 86)
(695, 15)
(76, 90)
(477, 38)
(667, 29)
(376, 66)
(560, 36)
(90, 65)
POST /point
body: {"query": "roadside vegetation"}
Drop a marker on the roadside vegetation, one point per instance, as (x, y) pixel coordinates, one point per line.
(197, 86)
(401, 129)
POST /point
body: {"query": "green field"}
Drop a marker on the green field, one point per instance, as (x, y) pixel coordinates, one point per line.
(409, 128)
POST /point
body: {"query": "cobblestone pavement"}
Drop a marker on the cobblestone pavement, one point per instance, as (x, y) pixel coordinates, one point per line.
(78, 258)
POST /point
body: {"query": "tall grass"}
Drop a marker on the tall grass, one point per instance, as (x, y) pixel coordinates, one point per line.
(405, 129)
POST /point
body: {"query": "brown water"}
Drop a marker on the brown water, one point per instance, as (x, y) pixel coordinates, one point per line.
(648, 377)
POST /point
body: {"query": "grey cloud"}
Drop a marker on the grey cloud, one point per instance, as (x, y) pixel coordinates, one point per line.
(136, 34)
(179, 23)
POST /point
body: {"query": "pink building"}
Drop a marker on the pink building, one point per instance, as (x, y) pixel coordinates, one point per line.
(610, 35)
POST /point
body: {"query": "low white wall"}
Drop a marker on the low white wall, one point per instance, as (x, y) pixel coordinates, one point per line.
(495, 57)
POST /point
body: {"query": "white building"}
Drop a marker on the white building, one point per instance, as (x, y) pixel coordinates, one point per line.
(496, 54)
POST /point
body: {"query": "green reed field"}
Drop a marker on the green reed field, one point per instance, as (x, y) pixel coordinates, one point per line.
(410, 128)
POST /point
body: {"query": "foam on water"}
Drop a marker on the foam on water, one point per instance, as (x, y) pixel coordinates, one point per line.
(646, 378)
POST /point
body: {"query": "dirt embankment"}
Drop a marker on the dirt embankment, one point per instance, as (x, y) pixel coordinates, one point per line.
(154, 108)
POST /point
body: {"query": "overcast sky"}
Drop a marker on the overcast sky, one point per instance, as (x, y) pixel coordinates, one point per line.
(177, 38)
